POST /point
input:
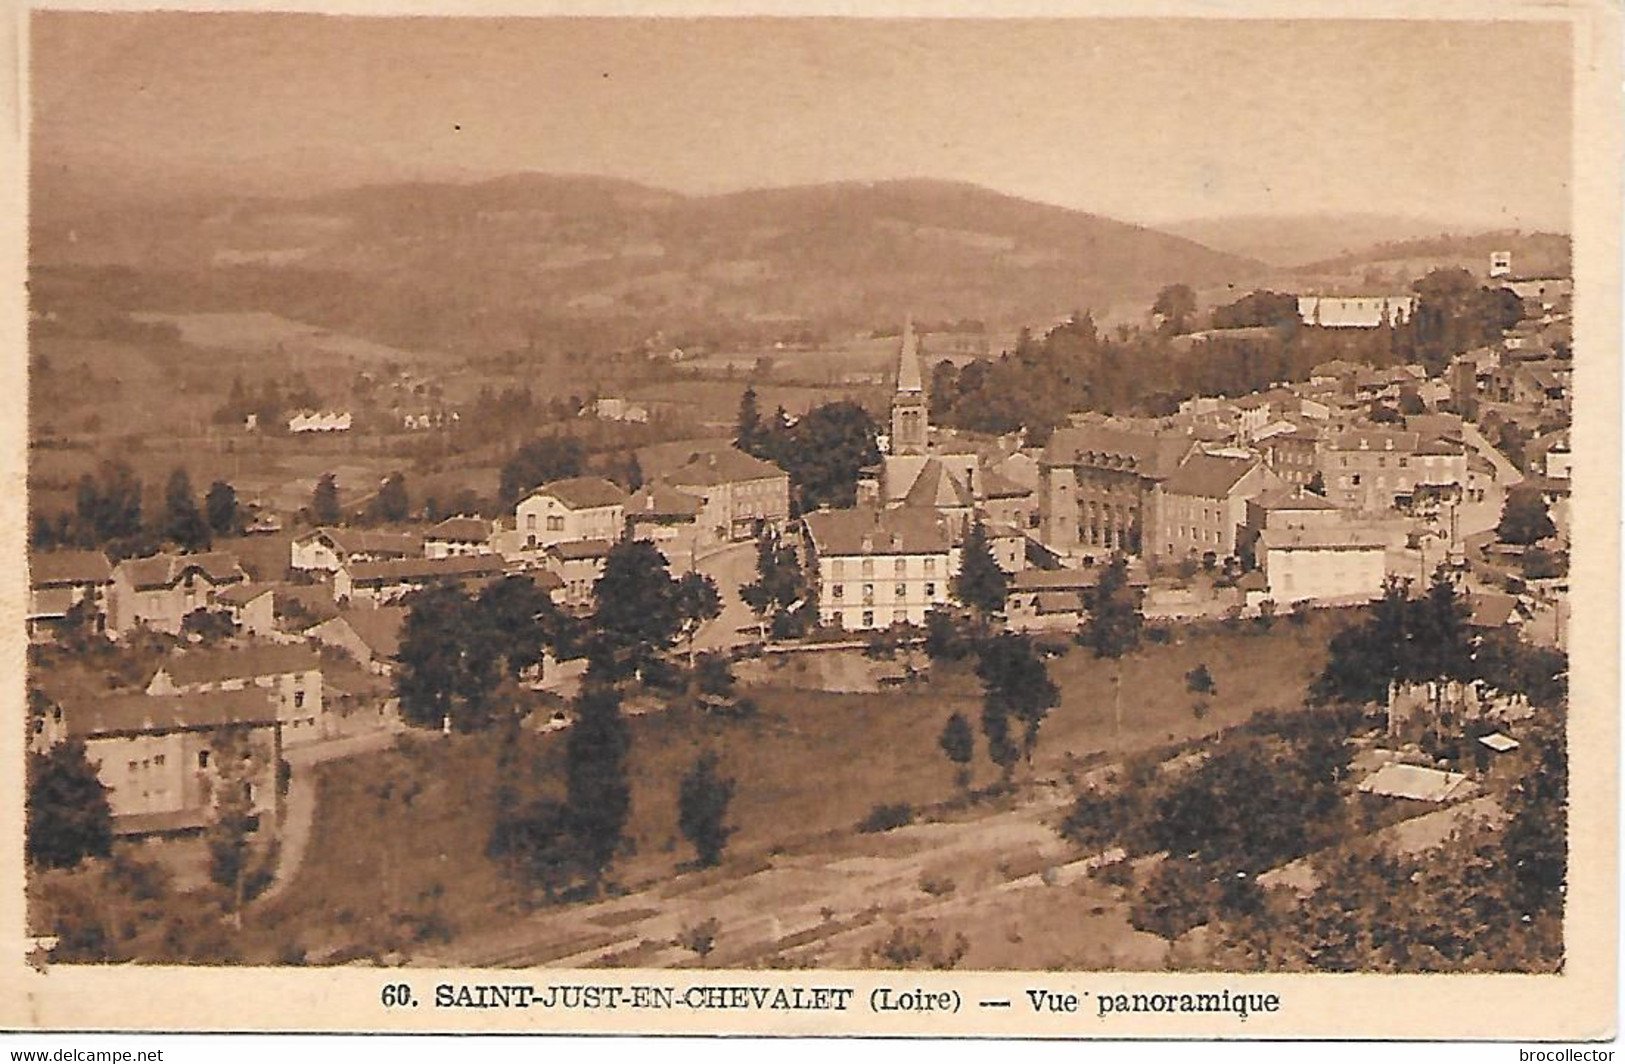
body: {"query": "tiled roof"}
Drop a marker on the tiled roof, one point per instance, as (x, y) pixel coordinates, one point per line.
(461, 530)
(583, 493)
(242, 594)
(937, 488)
(69, 567)
(1145, 453)
(1072, 579)
(349, 541)
(905, 530)
(379, 628)
(166, 570)
(1295, 499)
(212, 666)
(137, 713)
(425, 568)
(728, 465)
(662, 500)
(1491, 610)
(1376, 440)
(1208, 475)
(996, 485)
(579, 549)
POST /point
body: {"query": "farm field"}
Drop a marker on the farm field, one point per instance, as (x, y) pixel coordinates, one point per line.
(809, 767)
(262, 332)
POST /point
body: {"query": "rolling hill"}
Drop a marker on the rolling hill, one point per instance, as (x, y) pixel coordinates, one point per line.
(533, 258)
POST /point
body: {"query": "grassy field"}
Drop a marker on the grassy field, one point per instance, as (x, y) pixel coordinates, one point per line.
(809, 767)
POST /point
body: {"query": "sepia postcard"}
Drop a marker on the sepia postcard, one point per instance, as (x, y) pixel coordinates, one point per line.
(1066, 521)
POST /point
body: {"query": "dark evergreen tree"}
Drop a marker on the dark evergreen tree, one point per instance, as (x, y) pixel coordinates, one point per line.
(324, 501)
(392, 504)
(980, 583)
(1524, 519)
(69, 817)
(597, 790)
(958, 743)
(1114, 624)
(220, 507)
(702, 809)
(748, 425)
(538, 462)
(1015, 680)
(183, 523)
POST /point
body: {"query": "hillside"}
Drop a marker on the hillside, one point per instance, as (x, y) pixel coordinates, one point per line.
(549, 259)
(1294, 240)
(1532, 254)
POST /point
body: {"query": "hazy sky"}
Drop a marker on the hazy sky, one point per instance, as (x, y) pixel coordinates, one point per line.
(1137, 119)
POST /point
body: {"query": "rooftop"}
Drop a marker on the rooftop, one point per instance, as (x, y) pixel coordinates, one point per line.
(68, 567)
(583, 493)
(1208, 475)
(904, 530)
(128, 714)
(261, 659)
(167, 570)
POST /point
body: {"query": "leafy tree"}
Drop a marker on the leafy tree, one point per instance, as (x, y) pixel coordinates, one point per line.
(597, 790)
(391, 504)
(1175, 305)
(829, 447)
(521, 623)
(980, 583)
(702, 809)
(948, 636)
(1114, 624)
(1016, 684)
(545, 459)
(449, 665)
(182, 522)
(780, 582)
(220, 508)
(1524, 520)
(637, 613)
(1199, 681)
(324, 501)
(958, 743)
(69, 818)
(697, 602)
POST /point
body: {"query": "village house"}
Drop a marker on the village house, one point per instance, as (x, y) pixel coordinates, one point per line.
(158, 592)
(319, 421)
(252, 608)
(459, 536)
(327, 550)
(59, 581)
(879, 567)
(1329, 565)
(576, 566)
(1203, 505)
(370, 635)
(1098, 486)
(1051, 600)
(1292, 455)
(166, 759)
(666, 517)
(741, 495)
(571, 511)
(388, 582)
(291, 676)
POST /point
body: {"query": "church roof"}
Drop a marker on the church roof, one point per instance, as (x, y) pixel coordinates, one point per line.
(936, 487)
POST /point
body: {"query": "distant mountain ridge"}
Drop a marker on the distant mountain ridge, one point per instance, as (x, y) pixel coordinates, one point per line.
(1296, 240)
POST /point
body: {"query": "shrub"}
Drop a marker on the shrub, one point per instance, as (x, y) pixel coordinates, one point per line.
(885, 817)
(914, 947)
(700, 938)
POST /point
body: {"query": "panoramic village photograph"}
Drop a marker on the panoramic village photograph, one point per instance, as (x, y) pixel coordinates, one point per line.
(763, 494)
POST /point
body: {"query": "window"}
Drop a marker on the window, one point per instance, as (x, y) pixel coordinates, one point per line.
(1404, 463)
(837, 591)
(900, 566)
(132, 767)
(868, 618)
(868, 567)
(530, 522)
(837, 569)
(203, 759)
(868, 594)
(158, 761)
(930, 565)
(299, 700)
(555, 523)
(899, 617)
(930, 590)
(902, 591)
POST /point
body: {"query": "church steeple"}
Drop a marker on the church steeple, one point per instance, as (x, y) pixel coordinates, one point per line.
(909, 418)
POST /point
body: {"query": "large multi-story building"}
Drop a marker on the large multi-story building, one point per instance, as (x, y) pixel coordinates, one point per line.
(1098, 486)
(289, 676)
(878, 567)
(1383, 469)
(1202, 506)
